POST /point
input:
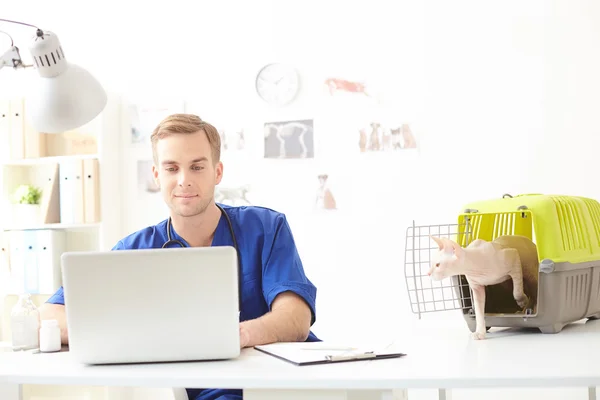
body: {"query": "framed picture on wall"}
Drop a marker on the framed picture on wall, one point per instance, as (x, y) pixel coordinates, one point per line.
(145, 115)
(376, 137)
(324, 200)
(232, 139)
(289, 139)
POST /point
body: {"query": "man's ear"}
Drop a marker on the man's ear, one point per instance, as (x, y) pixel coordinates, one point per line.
(155, 175)
(218, 172)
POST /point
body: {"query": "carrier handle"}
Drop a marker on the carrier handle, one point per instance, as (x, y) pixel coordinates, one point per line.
(505, 195)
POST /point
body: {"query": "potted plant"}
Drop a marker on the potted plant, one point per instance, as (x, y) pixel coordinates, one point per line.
(27, 205)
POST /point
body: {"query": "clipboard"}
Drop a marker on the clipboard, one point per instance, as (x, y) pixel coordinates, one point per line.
(318, 353)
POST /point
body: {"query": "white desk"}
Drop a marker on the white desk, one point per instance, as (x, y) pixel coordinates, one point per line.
(441, 359)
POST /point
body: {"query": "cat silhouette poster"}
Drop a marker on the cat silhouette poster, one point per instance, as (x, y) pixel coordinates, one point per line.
(289, 139)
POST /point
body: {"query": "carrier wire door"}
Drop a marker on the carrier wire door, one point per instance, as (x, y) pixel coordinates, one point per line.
(426, 295)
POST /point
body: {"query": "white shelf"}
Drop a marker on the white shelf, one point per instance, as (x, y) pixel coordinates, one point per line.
(51, 226)
(47, 160)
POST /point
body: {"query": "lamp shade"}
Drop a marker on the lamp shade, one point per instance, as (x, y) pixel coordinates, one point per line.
(64, 96)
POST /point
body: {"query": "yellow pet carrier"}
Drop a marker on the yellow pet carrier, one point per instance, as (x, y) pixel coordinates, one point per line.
(565, 283)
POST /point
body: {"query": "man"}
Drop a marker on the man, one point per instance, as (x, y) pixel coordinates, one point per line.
(278, 300)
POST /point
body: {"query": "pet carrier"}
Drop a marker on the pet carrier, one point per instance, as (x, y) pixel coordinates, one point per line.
(565, 284)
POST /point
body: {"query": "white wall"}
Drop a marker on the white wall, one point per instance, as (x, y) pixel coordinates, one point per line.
(502, 95)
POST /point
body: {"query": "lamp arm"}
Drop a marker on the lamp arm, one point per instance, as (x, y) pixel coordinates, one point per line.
(17, 22)
(12, 58)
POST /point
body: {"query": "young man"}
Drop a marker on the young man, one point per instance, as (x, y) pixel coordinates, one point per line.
(278, 300)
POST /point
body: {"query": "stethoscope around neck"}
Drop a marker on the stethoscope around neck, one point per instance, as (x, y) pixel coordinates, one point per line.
(170, 241)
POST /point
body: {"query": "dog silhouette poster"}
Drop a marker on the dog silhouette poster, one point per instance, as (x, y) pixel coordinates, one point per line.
(289, 139)
(324, 199)
(234, 196)
(378, 137)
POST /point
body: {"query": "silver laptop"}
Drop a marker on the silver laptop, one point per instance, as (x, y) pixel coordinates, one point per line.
(156, 305)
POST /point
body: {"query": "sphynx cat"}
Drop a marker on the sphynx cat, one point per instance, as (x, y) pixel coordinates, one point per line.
(483, 263)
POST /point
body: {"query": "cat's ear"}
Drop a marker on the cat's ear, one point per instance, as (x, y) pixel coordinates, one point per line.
(457, 248)
(438, 240)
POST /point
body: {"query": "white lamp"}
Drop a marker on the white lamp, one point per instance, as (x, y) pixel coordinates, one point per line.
(64, 96)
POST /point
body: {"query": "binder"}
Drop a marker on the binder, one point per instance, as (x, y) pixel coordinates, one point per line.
(17, 134)
(24, 276)
(4, 130)
(4, 262)
(35, 143)
(17, 262)
(50, 201)
(50, 244)
(91, 189)
(31, 278)
(71, 191)
(317, 353)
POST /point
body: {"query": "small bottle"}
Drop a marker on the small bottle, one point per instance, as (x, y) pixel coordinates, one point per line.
(49, 336)
(25, 324)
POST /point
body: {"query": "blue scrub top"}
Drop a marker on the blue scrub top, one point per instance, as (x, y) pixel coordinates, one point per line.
(270, 265)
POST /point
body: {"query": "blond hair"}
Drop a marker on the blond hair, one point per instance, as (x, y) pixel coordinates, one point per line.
(187, 124)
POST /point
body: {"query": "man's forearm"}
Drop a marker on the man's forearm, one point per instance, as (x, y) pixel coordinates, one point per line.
(57, 312)
(289, 321)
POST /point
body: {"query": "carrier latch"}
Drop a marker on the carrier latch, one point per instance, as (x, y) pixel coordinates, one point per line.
(547, 266)
(523, 207)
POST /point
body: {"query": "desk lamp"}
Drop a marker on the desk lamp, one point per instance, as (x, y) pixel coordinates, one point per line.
(64, 96)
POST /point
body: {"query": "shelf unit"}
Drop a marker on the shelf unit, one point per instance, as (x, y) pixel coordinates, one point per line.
(56, 226)
(39, 159)
(47, 160)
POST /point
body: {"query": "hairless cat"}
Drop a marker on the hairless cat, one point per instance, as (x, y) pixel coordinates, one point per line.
(486, 263)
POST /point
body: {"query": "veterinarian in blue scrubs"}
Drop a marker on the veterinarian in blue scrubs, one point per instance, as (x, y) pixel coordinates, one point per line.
(272, 274)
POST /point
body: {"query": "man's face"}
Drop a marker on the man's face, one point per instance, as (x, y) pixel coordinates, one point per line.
(185, 172)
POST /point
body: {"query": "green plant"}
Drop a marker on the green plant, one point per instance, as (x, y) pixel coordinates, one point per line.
(27, 194)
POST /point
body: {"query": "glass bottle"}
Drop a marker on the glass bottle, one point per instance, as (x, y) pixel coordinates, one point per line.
(25, 324)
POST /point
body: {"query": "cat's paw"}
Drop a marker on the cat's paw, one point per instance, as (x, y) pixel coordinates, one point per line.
(523, 301)
(478, 335)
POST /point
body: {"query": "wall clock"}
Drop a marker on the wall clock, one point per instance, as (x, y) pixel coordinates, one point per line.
(278, 84)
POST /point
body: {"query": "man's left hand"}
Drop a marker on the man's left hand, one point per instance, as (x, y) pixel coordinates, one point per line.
(288, 321)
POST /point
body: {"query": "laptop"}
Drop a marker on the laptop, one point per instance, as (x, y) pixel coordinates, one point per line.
(154, 305)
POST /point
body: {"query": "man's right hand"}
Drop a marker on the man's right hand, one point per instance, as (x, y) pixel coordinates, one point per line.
(57, 312)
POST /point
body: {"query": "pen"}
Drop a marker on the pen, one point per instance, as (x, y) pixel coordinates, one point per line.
(343, 357)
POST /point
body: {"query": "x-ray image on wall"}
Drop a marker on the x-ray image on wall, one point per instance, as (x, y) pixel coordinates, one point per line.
(289, 139)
